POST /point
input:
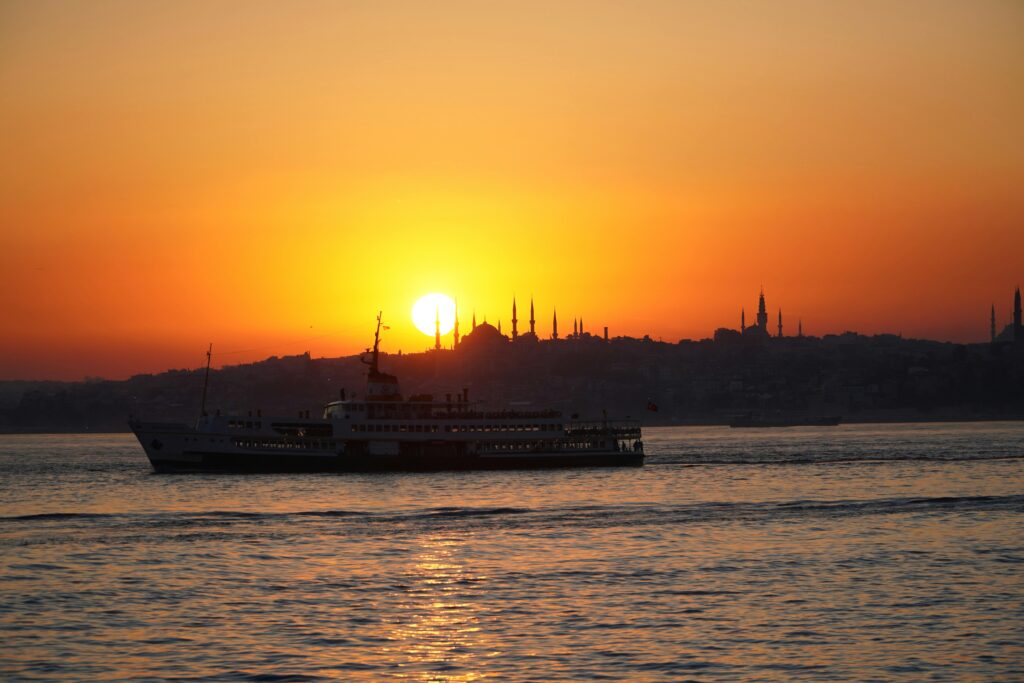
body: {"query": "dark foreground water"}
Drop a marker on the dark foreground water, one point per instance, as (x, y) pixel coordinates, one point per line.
(857, 553)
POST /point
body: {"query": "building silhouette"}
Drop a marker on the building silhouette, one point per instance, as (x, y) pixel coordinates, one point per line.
(455, 330)
(529, 337)
(483, 337)
(437, 328)
(1013, 333)
(762, 314)
(1017, 332)
(516, 337)
(515, 321)
(759, 330)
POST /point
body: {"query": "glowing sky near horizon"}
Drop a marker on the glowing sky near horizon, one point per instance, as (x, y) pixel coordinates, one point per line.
(267, 176)
(434, 314)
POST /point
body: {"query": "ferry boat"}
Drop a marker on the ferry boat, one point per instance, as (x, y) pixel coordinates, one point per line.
(384, 432)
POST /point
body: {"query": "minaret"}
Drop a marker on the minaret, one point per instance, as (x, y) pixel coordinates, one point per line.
(532, 321)
(437, 328)
(581, 325)
(554, 323)
(499, 325)
(800, 328)
(455, 332)
(762, 314)
(1018, 333)
(992, 324)
(780, 322)
(515, 321)
(474, 322)
(743, 320)
(575, 329)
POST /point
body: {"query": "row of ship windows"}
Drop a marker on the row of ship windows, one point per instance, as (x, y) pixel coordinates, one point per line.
(520, 446)
(453, 428)
(515, 447)
(288, 445)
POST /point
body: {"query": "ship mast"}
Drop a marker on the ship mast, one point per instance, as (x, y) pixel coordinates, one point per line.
(206, 380)
(376, 347)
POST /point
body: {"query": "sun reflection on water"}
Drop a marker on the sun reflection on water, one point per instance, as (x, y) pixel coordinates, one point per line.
(438, 634)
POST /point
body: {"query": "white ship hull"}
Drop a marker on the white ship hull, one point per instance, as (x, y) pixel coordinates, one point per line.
(179, 448)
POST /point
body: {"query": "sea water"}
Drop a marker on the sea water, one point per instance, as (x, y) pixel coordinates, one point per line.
(850, 553)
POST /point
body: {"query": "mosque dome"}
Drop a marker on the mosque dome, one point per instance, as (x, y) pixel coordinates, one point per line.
(484, 335)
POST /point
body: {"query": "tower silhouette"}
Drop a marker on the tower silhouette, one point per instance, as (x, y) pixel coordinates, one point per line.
(474, 322)
(533, 331)
(1018, 334)
(437, 328)
(581, 326)
(554, 323)
(575, 329)
(992, 324)
(762, 314)
(515, 321)
(800, 328)
(455, 331)
(780, 322)
(743, 320)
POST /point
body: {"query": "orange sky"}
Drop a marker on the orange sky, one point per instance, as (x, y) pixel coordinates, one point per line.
(268, 175)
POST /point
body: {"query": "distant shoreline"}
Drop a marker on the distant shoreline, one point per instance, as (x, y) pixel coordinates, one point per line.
(881, 379)
(881, 420)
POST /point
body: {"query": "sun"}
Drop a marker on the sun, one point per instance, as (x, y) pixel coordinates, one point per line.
(433, 307)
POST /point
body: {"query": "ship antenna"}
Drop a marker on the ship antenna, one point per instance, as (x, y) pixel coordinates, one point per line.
(206, 379)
